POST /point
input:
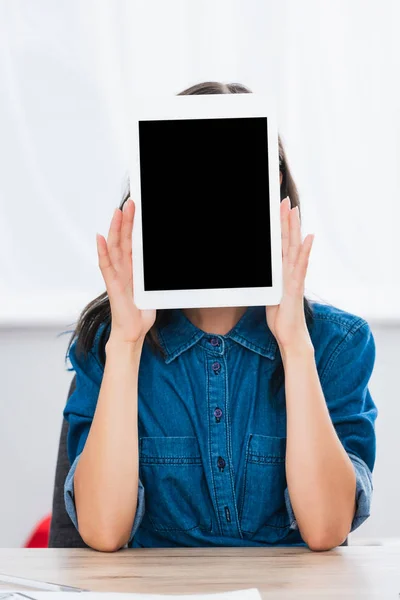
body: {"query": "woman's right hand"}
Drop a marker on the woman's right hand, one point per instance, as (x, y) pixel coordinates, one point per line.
(128, 323)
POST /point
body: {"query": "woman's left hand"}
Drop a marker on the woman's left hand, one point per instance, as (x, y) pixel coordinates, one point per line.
(287, 320)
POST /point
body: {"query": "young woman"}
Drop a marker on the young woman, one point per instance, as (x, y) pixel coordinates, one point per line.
(246, 426)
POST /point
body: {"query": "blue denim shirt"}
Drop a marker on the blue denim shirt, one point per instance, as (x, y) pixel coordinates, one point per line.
(212, 436)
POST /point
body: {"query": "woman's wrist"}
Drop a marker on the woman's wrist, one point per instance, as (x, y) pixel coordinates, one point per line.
(300, 347)
(116, 343)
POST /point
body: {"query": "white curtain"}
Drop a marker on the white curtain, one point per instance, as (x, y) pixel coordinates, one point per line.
(68, 70)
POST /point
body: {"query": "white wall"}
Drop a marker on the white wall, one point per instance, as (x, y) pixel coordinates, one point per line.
(69, 74)
(34, 386)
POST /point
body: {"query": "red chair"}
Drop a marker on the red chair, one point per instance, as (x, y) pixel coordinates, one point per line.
(39, 538)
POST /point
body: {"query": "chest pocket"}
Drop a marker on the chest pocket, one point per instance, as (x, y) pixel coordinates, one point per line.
(173, 477)
(263, 516)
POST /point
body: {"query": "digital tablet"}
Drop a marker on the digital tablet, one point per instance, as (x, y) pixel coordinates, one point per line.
(204, 175)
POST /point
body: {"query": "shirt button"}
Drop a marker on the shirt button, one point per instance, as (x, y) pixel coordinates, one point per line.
(221, 463)
(216, 367)
(218, 413)
(214, 341)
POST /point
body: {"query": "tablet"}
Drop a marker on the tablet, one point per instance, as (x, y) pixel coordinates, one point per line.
(204, 173)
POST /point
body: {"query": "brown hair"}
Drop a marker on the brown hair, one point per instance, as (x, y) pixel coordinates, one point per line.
(98, 312)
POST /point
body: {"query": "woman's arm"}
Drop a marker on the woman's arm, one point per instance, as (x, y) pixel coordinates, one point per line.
(106, 477)
(320, 475)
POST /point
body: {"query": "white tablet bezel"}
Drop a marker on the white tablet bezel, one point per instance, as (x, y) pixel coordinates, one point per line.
(206, 107)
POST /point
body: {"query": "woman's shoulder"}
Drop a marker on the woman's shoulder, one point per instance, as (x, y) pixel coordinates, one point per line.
(327, 316)
(335, 331)
(89, 359)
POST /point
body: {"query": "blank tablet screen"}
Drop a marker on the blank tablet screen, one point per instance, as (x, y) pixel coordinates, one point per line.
(205, 203)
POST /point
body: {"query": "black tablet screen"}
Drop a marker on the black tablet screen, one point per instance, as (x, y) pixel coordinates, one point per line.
(205, 203)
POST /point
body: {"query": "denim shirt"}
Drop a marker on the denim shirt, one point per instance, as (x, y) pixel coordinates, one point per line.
(212, 435)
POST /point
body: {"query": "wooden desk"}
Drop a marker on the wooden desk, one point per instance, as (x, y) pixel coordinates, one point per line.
(346, 573)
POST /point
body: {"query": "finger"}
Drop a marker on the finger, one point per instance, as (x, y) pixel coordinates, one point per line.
(294, 235)
(285, 210)
(114, 239)
(114, 233)
(105, 264)
(300, 270)
(128, 214)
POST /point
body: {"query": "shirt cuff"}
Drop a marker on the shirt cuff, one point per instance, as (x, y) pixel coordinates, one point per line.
(364, 490)
(363, 495)
(70, 501)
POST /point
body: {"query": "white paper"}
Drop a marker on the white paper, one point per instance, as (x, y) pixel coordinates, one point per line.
(249, 594)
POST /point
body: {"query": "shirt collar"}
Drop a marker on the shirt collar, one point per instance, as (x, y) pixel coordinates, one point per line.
(253, 333)
(178, 334)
